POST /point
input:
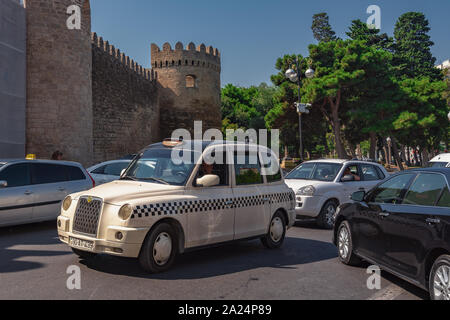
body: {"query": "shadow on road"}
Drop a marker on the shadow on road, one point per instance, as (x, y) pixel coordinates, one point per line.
(226, 259)
(39, 234)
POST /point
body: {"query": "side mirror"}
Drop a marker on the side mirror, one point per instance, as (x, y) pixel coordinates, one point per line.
(3, 184)
(207, 181)
(348, 178)
(358, 196)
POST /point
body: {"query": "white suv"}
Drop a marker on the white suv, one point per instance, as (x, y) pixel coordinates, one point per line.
(160, 207)
(322, 185)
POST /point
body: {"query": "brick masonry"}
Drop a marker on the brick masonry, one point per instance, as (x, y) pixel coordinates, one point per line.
(94, 103)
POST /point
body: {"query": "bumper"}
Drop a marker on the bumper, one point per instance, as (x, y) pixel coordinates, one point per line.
(128, 246)
(308, 206)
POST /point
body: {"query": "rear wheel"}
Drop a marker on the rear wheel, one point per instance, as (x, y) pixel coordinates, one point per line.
(277, 231)
(84, 254)
(345, 245)
(159, 250)
(440, 279)
(326, 217)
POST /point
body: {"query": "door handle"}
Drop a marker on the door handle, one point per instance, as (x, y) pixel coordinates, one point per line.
(28, 193)
(433, 221)
(384, 214)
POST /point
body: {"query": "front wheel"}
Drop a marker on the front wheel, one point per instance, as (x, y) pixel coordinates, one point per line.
(326, 216)
(277, 232)
(159, 249)
(440, 279)
(345, 245)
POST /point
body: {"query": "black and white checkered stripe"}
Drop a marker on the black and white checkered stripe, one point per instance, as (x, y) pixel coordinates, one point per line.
(192, 206)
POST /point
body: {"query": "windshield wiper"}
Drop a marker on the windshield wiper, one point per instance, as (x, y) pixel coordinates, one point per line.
(155, 179)
(128, 178)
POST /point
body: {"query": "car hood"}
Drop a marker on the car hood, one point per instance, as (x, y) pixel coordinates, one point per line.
(120, 192)
(296, 184)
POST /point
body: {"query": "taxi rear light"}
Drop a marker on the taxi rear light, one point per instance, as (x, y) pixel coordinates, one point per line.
(93, 181)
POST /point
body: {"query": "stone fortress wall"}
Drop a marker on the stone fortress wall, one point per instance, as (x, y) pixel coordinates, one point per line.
(91, 101)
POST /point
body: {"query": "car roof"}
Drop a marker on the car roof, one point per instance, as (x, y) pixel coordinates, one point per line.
(204, 144)
(341, 161)
(11, 161)
(444, 171)
(445, 157)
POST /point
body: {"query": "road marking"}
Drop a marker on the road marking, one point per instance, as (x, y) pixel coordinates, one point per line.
(389, 293)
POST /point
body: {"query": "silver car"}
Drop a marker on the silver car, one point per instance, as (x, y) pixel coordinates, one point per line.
(32, 190)
(108, 171)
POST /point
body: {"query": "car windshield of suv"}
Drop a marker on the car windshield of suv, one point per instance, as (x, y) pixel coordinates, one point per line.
(157, 166)
(438, 164)
(316, 171)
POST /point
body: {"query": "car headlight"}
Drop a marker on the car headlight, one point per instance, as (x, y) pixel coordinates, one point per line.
(125, 212)
(306, 191)
(66, 203)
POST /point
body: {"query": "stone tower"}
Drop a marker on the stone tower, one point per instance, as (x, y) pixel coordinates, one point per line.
(188, 86)
(59, 73)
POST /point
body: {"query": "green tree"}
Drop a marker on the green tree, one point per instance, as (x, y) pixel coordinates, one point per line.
(360, 31)
(346, 74)
(413, 56)
(321, 28)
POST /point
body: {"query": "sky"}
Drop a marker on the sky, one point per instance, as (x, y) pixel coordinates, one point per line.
(250, 34)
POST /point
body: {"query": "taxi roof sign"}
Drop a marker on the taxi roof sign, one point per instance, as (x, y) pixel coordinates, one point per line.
(30, 157)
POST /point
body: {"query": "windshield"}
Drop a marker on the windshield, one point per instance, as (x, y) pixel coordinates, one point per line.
(156, 166)
(438, 164)
(316, 171)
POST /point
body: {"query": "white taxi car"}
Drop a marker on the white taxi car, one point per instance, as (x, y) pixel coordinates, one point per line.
(155, 212)
(322, 185)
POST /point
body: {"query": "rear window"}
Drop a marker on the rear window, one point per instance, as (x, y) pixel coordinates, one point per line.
(75, 174)
(438, 164)
(44, 173)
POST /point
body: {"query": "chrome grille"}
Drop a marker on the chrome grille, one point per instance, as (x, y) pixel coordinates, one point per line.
(87, 216)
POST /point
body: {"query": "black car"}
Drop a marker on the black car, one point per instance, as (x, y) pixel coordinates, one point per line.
(403, 226)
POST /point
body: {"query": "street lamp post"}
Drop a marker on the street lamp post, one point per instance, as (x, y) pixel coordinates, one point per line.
(296, 77)
(389, 142)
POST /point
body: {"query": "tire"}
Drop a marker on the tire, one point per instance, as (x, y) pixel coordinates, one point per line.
(159, 250)
(84, 254)
(345, 245)
(440, 277)
(277, 232)
(325, 219)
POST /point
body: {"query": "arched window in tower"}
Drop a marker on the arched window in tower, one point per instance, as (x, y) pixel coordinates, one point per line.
(191, 81)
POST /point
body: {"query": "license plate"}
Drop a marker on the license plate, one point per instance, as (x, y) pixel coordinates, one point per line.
(81, 244)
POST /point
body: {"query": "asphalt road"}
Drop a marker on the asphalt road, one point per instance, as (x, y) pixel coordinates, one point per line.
(33, 265)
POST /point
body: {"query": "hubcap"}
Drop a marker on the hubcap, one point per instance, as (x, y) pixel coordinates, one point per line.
(330, 211)
(344, 243)
(441, 283)
(162, 248)
(276, 229)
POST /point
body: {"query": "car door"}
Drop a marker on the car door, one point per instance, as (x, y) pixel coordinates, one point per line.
(349, 187)
(211, 215)
(370, 176)
(370, 219)
(17, 199)
(412, 226)
(49, 182)
(252, 202)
